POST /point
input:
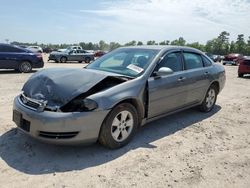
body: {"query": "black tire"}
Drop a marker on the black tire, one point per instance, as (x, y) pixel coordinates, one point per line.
(224, 63)
(208, 106)
(56, 61)
(240, 75)
(107, 132)
(63, 59)
(79, 61)
(87, 60)
(25, 67)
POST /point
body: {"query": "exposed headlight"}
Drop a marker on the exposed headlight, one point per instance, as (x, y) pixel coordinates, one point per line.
(89, 104)
(80, 105)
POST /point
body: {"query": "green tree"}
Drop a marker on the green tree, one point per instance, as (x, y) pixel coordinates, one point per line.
(232, 47)
(179, 42)
(151, 42)
(197, 45)
(139, 43)
(113, 45)
(131, 43)
(103, 45)
(240, 44)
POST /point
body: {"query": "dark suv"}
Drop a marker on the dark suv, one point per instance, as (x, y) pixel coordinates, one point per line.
(20, 59)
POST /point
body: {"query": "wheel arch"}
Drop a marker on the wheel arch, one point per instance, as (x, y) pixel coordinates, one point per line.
(63, 57)
(137, 104)
(216, 84)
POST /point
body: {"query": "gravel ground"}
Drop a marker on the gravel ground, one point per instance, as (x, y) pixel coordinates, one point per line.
(188, 149)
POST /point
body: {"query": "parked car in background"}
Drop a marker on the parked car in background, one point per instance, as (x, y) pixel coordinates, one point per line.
(215, 58)
(47, 50)
(231, 59)
(116, 94)
(74, 48)
(36, 49)
(244, 66)
(99, 53)
(71, 55)
(21, 59)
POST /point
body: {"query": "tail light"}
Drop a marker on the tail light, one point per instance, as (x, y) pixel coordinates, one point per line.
(39, 55)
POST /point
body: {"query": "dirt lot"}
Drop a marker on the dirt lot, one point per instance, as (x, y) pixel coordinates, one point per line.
(188, 149)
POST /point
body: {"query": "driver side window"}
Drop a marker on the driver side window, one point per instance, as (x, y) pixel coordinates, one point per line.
(172, 61)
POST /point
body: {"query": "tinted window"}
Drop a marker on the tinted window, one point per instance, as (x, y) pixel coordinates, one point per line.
(172, 61)
(10, 49)
(247, 62)
(192, 60)
(206, 61)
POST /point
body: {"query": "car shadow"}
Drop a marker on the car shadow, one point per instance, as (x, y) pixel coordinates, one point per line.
(15, 72)
(33, 157)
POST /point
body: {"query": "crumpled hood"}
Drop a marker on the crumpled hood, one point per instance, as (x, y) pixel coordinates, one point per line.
(58, 86)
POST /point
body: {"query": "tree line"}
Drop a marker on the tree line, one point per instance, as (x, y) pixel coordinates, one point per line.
(220, 45)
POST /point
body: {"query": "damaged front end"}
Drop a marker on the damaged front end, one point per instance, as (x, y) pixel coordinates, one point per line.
(50, 92)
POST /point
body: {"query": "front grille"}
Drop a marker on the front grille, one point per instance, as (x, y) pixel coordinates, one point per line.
(31, 103)
(57, 135)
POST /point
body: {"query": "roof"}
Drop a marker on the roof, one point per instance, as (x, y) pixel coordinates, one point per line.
(162, 47)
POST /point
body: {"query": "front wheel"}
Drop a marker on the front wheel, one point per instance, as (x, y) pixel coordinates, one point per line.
(25, 67)
(87, 60)
(210, 99)
(119, 126)
(63, 59)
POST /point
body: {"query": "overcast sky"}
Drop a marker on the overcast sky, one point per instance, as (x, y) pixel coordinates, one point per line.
(64, 21)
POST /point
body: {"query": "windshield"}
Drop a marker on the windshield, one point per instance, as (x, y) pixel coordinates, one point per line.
(126, 61)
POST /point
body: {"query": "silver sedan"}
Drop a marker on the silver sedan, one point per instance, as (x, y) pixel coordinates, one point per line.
(108, 100)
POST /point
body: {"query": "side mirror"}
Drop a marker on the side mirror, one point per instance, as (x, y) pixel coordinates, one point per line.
(163, 71)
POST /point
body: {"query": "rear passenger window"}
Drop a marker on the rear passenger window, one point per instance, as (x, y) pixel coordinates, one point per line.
(206, 61)
(10, 49)
(192, 60)
(172, 61)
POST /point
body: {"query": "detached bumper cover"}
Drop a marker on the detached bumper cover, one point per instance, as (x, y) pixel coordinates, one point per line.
(58, 127)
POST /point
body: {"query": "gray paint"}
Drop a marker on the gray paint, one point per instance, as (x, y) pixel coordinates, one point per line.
(166, 95)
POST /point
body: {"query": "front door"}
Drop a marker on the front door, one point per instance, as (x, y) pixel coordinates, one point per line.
(167, 93)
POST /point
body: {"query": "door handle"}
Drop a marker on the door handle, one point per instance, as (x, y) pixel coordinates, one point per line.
(181, 79)
(206, 74)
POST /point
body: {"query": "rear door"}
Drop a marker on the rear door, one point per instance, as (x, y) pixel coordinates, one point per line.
(198, 76)
(10, 57)
(167, 93)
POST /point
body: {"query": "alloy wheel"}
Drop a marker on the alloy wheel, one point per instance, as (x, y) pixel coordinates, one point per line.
(122, 126)
(210, 99)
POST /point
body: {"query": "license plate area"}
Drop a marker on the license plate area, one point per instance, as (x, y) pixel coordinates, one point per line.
(20, 122)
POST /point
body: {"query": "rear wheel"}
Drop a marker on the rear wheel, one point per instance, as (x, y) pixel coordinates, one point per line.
(119, 126)
(79, 61)
(63, 59)
(210, 99)
(25, 67)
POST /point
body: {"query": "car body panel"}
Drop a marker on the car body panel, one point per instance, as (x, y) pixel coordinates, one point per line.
(58, 85)
(244, 66)
(86, 123)
(152, 96)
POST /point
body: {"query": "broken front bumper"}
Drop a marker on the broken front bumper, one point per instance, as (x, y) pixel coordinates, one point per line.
(59, 127)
